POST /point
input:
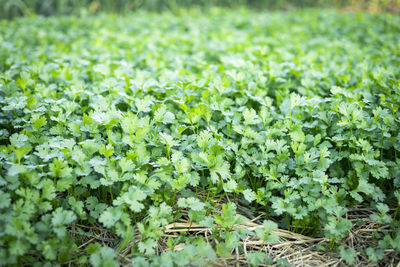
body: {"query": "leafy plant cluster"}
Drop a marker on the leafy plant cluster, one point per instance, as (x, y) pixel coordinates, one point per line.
(15, 8)
(131, 123)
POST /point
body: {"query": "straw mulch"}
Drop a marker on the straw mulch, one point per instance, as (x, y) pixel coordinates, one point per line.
(297, 249)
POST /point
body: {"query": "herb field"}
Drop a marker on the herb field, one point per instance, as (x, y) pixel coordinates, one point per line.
(220, 137)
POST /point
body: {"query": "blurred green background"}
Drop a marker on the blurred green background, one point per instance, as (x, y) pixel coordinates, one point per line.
(14, 8)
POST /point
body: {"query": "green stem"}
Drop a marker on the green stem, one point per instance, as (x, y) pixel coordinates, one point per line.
(190, 225)
(331, 244)
(126, 239)
(208, 192)
(79, 192)
(259, 182)
(213, 197)
(287, 222)
(219, 199)
(168, 153)
(104, 191)
(394, 224)
(250, 180)
(375, 233)
(204, 183)
(112, 197)
(173, 199)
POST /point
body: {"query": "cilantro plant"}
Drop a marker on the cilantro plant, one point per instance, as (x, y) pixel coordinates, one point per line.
(152, 139)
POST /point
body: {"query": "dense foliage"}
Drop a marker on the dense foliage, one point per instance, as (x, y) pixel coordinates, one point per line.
(132, 123)
(14, 8)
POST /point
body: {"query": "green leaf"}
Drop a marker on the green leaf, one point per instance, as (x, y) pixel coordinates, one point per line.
(223, 251)
(228, 218)
(107, 151)
(223, 169)
(19, 140)
(132, 199)
(265, 232)
(104, 257)
(250, 116)
(231, 240)
(5, 200)
(77, 206)
(375, 255)
(168, 140)
(297, 136)
(249, 195)
(61, 218)
(38, 121)
(110, 216)
(126, 165)
(148, 246)
(18, 247)
(256, 258)
(349, 255)
(204, 138)
(143, 105)
(192, 203)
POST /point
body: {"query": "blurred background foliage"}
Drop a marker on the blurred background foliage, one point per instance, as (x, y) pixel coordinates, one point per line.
(14, 8)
